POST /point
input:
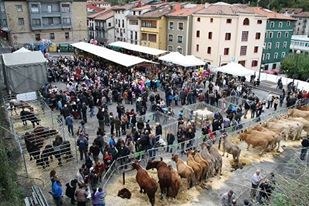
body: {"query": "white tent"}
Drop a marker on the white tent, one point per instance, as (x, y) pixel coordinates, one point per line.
(193, 61)
(138, 48)
(110, 55)
(179, 59)
(22, 50)
(235, 69)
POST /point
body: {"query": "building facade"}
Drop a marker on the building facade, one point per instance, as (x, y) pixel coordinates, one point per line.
(179, 28)
(120, 13)
(33, 20)
(301, 43)
(223, 33)
(302, 23)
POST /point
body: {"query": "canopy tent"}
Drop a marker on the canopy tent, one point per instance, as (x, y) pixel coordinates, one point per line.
(110, 55)
(138, 48)
(235, 69)
(179, 59)
(21, 50)
(24, 71)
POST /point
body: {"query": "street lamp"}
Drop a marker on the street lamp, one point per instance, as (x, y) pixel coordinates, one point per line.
(297, 63)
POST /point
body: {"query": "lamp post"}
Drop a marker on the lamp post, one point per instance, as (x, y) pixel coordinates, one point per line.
(297, 63)
(261, 67)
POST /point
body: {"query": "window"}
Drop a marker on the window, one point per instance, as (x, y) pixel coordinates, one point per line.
(133, 22)
(38, 37)
(67, 35)
(267, 56)
(270, 35)
(280, 25)
(122, 23)
(279, 34)
(170, 48)
(226, 51)
(263, 56)
(152, 37)
(243, 50)
(284, 44)
(52, 35)
(66, 21)
(269, 45)
(149, 23)
(256, 49)
(277, 45)
(209, 50)
(109, 24)
(209, 35)
(170, 38)
(286, 34)
(246, 21)
(272, 24)
(65, 8)
(19, 8)
(288, 23)
(35, 8)
(244, 36)
(197, 48)
(276, 55)
(21, 21)
(179, 39)
(36, 22)
(171, 25)
(282, 54)
(198, 33)
(144, 37)
(257, 35)
(254, 63)
(228, 21)
(227, 36)
(259, 21)
(211, 20)
(179, 49)
(51, 21)
(243, 63)
(198, 19)
(180, 26)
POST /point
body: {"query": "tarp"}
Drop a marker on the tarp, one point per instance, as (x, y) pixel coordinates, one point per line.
(21, 50)
(24, 71)
(235, 69)
(110, 55)
(179, 59)
(138, 48)
(193, 61)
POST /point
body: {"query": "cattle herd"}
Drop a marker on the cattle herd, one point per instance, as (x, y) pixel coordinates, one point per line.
(206, 161)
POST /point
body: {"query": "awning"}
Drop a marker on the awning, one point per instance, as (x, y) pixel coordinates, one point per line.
(235, 69)
(23, 58)
(179, 59)
(21, 50)
(138, 48)
(110, 55)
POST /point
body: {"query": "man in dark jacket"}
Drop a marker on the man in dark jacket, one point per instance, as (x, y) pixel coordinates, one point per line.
(70, 190)
(305, 144)
(170, 141)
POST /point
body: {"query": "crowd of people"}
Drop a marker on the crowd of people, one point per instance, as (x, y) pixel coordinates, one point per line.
(92, 86)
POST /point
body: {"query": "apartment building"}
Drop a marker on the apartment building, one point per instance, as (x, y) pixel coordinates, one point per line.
(59, 21)
(301, 43)
(120, 13)
(302, 23)
(179, 28)
(223, 33)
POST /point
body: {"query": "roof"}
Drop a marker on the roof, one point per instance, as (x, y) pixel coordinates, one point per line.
(302, 14)
(23, 58)
(224, 9)
(105, 15)
(271, 14)
(186, 11)
(138, 48)
(132, 17)
(158, 12)
(110, 55)
(94, 8)
(93, 15)
(23, 49)
(179, 59)
(123, 7)
(291, 10)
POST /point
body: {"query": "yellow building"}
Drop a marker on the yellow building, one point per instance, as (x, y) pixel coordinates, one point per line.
(153, 28)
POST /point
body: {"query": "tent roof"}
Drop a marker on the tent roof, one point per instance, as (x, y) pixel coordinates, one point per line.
(23, 58)
(138, 48)
(179, 59)
(234, 69)
(194, 61)
(21, 50)
(110, 55)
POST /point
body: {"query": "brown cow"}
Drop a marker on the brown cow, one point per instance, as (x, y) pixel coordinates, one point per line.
(257, 139)
(175, 185)
(184, 170)
(164, 175)
(203, 162)
(197, 168)
(218, 158)
(146, 183)
(230, 148)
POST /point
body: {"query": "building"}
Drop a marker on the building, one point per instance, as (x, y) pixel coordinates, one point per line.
(302, 23)
(101, 26)
(99, 3)
(179, 28)
(223, 33)
(301, 43)
(120, 13)
(153, 27)
(3, 19)
(59, 21)
(279, 30)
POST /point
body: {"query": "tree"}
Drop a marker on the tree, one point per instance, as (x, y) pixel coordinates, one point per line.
(296, 66)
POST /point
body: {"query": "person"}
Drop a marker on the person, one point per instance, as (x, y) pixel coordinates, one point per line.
(227, 198)
(276, 103)
(265, 191)
(57, 191)
(81, 195)
(255, 181)
(82, 144)
(69, 123)
(170, 137)
(305, 145)
(247, 202)
(70, 190)
(98, 197)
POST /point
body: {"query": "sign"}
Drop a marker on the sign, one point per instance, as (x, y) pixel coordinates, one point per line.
(29, 96)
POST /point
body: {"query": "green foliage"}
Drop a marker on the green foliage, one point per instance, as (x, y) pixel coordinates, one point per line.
(296, 66)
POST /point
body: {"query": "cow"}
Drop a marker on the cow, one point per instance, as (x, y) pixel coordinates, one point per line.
(175, 183)
(184, 170)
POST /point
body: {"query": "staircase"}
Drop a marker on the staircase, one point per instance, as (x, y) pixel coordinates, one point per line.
(37, 198)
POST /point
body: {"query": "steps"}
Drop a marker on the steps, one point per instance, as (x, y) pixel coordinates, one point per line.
(37, 198)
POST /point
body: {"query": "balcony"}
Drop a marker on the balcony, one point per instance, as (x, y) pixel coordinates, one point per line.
(46, 27)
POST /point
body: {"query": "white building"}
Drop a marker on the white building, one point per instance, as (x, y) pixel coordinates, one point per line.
(223, 33)
(120, 21)
(301, 43)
